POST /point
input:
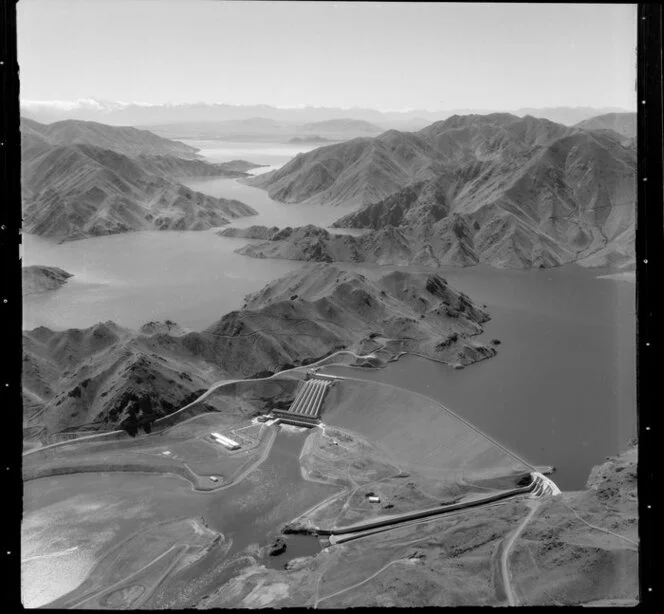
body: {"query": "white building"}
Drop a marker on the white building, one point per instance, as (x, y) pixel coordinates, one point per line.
(225, 441)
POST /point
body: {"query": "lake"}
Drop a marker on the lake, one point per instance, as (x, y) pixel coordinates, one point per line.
(271, 154)
(190, 277)
(562, 389)
(270, 212)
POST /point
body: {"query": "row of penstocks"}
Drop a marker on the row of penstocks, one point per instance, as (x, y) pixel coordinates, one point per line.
(310, 398)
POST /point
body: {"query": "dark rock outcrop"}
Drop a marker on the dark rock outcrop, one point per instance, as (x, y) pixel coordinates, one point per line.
(277, 547)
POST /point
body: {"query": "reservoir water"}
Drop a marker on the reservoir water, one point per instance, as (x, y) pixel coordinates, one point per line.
(190, 277)
(561, 390)
(270, 154)
(271, 213)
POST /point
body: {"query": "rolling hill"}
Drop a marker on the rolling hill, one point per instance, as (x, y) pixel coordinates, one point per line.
(123, 139)
(42, 278)
(622, 123)
(105, 376)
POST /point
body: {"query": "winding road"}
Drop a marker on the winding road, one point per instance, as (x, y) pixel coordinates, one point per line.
(202, 397)
(347, 533)
(371, 577)
(504, 559)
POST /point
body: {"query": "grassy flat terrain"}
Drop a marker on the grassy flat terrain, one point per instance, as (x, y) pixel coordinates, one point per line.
(72, 521)
(336, 456)
(132, 570)
(418, 433)
(126, 540)
(188, 453)
(576, 548)
(86, 519)
(179, 444)
(447, 561)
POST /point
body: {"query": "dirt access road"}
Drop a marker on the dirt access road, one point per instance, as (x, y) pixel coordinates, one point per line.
(504, 559)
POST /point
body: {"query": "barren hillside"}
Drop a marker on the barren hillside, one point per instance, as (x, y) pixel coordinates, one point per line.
(105, 376)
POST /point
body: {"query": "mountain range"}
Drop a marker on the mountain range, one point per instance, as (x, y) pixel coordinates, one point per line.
(136, 114)
(498, 189)
(622, 123)
(107, 376)
(261, 129)
(343, 125)
(82, 179)
(122, 139)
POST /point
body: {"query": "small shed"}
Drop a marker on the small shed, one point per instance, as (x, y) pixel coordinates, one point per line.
(374, 499)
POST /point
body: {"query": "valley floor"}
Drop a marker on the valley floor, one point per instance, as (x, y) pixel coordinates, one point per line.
(554, 549)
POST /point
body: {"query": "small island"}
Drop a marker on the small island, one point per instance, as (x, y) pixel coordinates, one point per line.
(39, 278)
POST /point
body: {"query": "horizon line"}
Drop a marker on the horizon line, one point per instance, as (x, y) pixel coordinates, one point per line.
(115, 105)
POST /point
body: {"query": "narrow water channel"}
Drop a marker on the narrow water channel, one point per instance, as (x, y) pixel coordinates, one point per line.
(91, 513)
(274, 493)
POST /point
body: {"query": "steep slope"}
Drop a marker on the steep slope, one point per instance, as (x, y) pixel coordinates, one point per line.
(464, 139)
(420, 203)
(75, 191)
(103, 377)
(569, 116)
(311, 243)
(123, 139)
(363, 171)
(508, 191)
(320, 308)
(505, 242)
(171, 166)
(42, 278)
(572, 199)
(356, 172)
(106, 376)
(33, 142)
(622, 123)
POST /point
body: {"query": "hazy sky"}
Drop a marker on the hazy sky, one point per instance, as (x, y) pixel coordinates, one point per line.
(387, 56)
